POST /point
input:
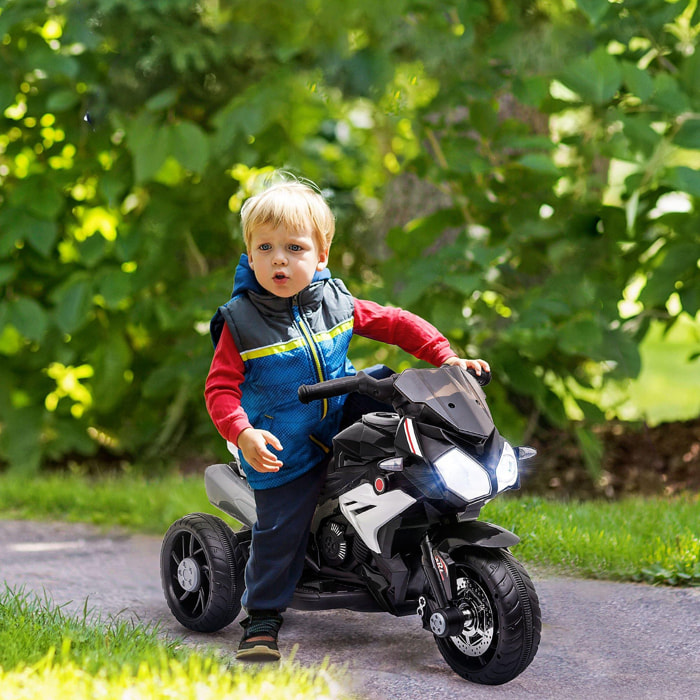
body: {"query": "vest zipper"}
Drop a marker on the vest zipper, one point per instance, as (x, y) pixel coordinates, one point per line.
(306, 332)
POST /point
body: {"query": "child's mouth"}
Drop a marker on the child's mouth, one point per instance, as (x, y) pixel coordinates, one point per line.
(279, 277)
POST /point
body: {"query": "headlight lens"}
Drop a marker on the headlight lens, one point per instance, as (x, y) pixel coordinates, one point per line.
(463, 476)
(507, 469)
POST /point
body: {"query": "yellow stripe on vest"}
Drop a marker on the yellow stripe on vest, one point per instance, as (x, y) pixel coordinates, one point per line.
(337, 330)
(272, 349)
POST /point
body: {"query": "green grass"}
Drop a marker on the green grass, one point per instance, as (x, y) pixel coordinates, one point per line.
(656, 540)
(637, 539)
(131, 501)
(47, 653)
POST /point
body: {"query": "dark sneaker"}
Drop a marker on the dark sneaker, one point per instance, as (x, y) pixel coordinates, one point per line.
(259, 641)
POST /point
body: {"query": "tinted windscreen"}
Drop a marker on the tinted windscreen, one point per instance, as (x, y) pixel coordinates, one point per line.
(451, 396)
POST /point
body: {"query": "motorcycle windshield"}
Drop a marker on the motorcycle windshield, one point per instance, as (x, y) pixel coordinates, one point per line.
(449, 397)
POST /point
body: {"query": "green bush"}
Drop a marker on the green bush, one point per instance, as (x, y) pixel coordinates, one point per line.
(524, 175)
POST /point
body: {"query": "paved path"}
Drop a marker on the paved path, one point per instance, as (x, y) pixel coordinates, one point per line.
(599, 639)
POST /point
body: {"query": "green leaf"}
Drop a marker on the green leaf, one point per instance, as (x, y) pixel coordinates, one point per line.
(668, 95)
(149, 144)
(531, 90)
(163, 100)
(69, 436)
(7, 273)
(62, 100)
(92, 249)
(189, 145)
(619, 348)
(539, 162)
(595, 78)
(29, 318)
(115, 286)
(39, 196)
(638, 81)
(419, 278)
(463, 283)
(20, 439)
(420, 233)
(161, 381)
(688, 135)
(684, 179)
(111, 360)
(679, 264)
(39, 233)
(595, 10)
(73, 302)
(580, 337)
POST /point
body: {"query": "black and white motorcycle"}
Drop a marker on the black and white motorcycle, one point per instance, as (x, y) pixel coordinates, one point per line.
(395, 530)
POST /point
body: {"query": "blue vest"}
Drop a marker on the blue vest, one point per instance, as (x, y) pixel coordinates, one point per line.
(285, 343)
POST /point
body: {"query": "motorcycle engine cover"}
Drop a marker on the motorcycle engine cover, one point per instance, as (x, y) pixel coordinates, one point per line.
(332, 543)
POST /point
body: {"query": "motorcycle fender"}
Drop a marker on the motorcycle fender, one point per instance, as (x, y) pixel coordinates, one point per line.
(230, 492)
(474, 533)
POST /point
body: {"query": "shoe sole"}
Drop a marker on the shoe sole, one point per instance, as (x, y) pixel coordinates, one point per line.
(259, 652)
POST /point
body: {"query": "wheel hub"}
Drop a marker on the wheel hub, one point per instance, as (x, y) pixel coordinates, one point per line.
(478, 631)
(189, 575)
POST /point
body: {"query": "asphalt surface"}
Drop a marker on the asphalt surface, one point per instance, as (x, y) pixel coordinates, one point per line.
(599, 639)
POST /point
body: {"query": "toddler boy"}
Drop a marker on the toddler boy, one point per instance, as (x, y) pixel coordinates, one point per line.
(289, 323)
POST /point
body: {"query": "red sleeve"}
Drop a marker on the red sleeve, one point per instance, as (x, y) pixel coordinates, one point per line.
(222, 391)
(398, 327)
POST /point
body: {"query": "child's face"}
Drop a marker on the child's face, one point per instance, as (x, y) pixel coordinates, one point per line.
(284, 261)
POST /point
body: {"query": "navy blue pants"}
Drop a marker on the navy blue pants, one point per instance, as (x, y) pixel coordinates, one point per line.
(280, 535)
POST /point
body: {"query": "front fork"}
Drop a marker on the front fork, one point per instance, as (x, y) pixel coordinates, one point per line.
(438, 613)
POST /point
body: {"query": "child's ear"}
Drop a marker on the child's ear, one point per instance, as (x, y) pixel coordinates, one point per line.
(250, 259)
(322, 260)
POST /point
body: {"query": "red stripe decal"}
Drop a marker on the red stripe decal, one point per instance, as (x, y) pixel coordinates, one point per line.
(410, 438)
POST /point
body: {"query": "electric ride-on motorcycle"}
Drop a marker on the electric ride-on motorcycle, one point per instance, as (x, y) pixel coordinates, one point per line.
(395, 529)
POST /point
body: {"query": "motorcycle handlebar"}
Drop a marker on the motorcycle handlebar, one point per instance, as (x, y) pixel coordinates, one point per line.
(380, 389)
(361, 382)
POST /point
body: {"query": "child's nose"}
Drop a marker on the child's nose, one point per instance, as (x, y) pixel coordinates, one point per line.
(279, 257)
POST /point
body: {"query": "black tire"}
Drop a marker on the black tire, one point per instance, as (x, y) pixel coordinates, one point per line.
(201, 570)
(502, 637)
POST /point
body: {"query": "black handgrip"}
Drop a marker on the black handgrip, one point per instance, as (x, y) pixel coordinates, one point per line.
(332, 387)
(482, 379)
(362, 383)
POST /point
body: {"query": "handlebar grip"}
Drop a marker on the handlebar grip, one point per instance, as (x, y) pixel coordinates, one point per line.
(324, 390)
(482, 379)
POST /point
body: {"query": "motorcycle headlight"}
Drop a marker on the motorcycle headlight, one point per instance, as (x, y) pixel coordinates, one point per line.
(507, 469)
(463, 476)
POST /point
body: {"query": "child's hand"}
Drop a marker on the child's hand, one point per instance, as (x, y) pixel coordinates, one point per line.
(477, 365)
(253, 444)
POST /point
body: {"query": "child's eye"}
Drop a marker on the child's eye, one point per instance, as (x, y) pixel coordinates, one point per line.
(294, 247)
(264, 246)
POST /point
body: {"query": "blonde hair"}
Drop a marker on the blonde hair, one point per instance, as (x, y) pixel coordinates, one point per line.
(294, 205)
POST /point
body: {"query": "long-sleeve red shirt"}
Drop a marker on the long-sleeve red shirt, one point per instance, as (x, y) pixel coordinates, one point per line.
(387, 324)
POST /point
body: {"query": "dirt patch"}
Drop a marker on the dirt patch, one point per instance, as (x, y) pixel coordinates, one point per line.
(637, 459)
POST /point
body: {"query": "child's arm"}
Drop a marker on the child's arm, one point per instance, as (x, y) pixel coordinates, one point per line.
(222, 391)
(222, 394)
(409, 332)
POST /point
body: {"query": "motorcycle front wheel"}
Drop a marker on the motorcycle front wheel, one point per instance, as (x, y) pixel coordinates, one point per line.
(502, 617)
(201, 568)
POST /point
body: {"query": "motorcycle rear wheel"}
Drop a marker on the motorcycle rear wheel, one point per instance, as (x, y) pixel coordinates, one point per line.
(201, 568)
(502, 632)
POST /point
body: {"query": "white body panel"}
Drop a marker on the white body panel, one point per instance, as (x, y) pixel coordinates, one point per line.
(368, 511)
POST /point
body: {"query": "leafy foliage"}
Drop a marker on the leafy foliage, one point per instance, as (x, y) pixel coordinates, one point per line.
(524, 175)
